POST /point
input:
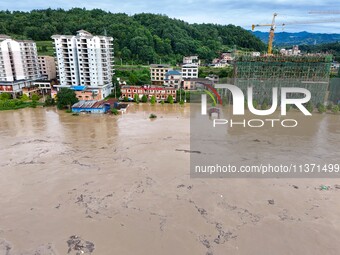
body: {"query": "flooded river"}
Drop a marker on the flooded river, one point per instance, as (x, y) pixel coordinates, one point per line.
(102, 184)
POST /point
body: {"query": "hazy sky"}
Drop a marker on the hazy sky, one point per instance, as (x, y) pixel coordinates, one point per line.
(237, 12)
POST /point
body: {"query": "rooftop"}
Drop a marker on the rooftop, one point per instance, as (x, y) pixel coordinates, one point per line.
(160, 65)
(173, 72)
(89, 104)
(78, 88)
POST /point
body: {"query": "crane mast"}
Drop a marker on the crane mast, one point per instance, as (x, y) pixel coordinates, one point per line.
(271, 33)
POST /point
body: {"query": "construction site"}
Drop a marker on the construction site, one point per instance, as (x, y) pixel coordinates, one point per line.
(265, 72)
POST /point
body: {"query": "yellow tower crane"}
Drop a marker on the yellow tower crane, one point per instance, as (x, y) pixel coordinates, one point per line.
(301, 22)
(271, 32)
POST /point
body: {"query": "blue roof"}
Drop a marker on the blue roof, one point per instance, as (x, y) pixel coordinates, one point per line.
(78, 88)
(173, 72)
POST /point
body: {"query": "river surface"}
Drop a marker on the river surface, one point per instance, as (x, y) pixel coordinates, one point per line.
(121, 185)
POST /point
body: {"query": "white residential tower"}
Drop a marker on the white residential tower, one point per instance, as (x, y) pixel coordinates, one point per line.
(85, 60)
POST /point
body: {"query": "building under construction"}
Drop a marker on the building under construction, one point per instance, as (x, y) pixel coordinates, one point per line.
(265, 72)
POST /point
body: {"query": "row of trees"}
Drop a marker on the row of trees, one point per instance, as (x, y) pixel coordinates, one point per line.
(144, 38)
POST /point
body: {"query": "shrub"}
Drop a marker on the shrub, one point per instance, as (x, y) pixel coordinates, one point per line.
(144, 99)
(153, 100)
(335, 109)
(255, 104)
(322, 108)
(5, 96)
(330, 106)
(34, 104)
(153, 116)
(310, 107)
(24, 97)
(114, 111)
(49, 101)
(170, 99)
(35, 97)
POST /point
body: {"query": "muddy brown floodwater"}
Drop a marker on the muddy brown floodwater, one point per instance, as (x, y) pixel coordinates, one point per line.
(95, 184)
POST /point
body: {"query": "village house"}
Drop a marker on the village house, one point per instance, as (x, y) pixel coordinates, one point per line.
(173, 78)
(194, 83)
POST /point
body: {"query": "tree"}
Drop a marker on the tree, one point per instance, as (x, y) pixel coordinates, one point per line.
(66, 98)
(136, 98)
(153, 100)
(170, 99)
(144, 99)
(126, 99)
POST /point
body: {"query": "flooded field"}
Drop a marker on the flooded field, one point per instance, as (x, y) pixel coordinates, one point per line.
(102, 184)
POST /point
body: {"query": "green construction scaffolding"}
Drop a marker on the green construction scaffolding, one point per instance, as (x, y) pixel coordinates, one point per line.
(265, 72)
(334, 90)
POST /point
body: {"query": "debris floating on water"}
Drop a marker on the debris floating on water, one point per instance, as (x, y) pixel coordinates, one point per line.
(79, 246)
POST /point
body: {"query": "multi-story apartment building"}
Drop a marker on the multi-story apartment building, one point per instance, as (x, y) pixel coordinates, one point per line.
(189, 71)
(18, 64)
(161, 93)
(158, 73)
(173, 78)
(47, 67)
(86, 60)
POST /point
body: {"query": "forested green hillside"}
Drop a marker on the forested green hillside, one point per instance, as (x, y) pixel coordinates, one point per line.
(143, 37)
